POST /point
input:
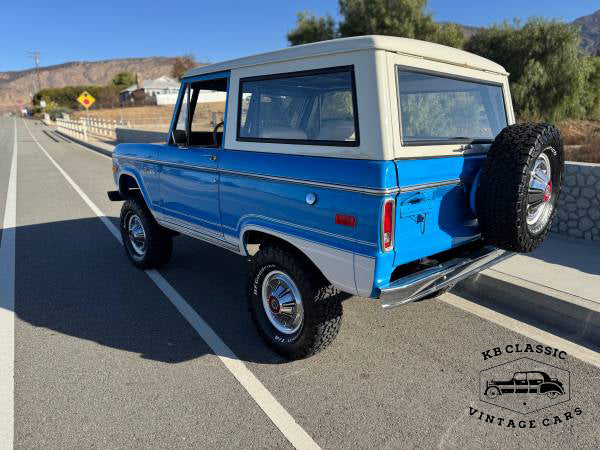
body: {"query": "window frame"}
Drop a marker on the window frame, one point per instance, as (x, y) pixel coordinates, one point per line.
(186, 85)
(178, 105)
(424, 142)
(314, 142)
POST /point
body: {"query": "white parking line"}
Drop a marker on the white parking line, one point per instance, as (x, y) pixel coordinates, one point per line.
(293, 432)
(7, 307)
(576, 351)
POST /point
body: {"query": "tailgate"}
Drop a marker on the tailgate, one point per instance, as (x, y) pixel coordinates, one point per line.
(433, 212)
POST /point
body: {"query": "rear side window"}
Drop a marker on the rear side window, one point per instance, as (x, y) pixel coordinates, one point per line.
(312, 107)
(439, 109)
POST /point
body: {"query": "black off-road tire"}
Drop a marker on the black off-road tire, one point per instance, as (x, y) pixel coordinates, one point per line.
(158, 245)
(322, 304)
(502, 195)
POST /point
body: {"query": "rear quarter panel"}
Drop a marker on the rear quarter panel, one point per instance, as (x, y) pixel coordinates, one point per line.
(267, 192)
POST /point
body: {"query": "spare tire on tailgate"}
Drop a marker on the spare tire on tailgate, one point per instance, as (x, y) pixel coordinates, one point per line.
(519, 186)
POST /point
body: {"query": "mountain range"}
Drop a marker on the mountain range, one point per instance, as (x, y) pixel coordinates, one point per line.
(590, 32)
(16, 87)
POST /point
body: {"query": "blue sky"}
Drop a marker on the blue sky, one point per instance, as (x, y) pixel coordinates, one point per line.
(213, 30)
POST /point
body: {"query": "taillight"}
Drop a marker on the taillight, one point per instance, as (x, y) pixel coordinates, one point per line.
(387, 226)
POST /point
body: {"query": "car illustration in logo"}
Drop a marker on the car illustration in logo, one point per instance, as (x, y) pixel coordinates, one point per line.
(532, 382)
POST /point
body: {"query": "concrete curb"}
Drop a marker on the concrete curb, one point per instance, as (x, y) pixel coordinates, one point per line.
(574, 318)
(96, 148)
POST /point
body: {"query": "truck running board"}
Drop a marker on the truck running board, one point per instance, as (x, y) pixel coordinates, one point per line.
(417, 285)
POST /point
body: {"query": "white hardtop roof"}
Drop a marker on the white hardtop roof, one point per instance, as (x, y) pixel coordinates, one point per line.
(413, 47)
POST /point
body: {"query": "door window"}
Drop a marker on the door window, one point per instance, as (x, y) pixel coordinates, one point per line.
(207, 112)
(201, 118)
(535, 378)
(520, 378)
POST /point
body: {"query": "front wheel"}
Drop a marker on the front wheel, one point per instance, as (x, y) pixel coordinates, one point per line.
(552, 394)
(147, 244)
(492, 392)
(294, 310)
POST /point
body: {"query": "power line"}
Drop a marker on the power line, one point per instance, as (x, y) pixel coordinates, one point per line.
(36, 58)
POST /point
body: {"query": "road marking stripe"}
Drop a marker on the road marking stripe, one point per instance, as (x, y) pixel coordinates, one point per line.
(7, 306)
(293, 432)
(577, 351)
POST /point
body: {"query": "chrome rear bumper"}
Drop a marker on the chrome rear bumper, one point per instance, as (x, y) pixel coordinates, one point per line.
(417, 285)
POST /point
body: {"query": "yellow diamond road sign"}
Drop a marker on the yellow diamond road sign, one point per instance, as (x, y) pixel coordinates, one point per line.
(86, 99)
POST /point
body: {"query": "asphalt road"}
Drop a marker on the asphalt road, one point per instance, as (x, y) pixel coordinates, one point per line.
(103, 359)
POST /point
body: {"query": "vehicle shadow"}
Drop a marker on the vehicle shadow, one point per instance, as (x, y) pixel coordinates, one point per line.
(571, 252)
(74, 278)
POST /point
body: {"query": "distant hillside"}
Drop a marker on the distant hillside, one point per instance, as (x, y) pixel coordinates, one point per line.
(590, 32)
(15, 87)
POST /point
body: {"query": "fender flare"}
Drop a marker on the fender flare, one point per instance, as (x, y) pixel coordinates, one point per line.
(139, 180)
(549, 387)
(329, 262)
(492, 387)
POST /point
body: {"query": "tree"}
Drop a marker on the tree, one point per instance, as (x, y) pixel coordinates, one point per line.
(593, 89)
(548, 73)
(182, 64)
(310, 28)
(405, 18)
(123, 80)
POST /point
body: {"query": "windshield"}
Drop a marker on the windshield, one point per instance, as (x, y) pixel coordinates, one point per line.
(436, 109)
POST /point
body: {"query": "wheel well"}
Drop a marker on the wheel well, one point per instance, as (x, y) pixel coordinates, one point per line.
(128, 186)
(254, 239)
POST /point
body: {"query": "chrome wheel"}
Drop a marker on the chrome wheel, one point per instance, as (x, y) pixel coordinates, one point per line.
(282, 302)
(539, 195)
(137, 234)
(552, 394)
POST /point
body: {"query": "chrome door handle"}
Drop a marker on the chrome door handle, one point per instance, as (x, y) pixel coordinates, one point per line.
(211, 157)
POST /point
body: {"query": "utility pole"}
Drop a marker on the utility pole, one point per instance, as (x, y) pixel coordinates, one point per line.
(36, 58)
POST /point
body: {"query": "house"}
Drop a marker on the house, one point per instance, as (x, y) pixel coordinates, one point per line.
(162, 91)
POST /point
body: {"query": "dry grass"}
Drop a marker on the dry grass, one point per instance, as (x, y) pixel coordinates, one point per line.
(582, 140)
(155, 117)
(576, 132)
(588, 151)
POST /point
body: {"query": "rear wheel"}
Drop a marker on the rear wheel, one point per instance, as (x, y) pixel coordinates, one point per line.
(520, 184)
(295, 311)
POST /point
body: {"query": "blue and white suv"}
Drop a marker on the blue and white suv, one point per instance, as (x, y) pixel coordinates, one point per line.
(375, 166)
